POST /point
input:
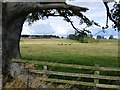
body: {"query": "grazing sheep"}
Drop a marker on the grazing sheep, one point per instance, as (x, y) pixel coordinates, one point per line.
(65, 44)
(61, 43)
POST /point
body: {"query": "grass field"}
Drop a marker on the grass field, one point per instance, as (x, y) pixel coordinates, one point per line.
(104, 52)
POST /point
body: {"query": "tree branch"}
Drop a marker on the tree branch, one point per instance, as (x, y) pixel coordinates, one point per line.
(25, 8)
(78, 30)
(60, 6)
(68, 20)
(108, 12)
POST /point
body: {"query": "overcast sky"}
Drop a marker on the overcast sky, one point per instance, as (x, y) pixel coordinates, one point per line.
(57, 26)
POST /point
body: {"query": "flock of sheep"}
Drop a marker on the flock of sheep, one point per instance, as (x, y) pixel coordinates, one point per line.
(65, 44)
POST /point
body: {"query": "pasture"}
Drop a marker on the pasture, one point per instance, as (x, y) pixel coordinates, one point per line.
(104, 52)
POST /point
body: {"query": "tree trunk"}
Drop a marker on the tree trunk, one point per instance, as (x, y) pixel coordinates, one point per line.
(12, 23)
(10, 42)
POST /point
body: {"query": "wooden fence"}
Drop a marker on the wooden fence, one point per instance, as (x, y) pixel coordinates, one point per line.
(96, 75)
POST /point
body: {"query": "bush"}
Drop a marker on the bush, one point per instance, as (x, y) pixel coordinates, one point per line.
(82, 39)
(87, 40)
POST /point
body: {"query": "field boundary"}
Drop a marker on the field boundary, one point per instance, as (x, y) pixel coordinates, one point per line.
(96, 76)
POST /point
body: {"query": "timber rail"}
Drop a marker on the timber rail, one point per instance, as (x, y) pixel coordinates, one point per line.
(96, 75)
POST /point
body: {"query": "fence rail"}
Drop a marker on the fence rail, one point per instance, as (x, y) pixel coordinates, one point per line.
(68, 65)
(76, 75)
(96, 76)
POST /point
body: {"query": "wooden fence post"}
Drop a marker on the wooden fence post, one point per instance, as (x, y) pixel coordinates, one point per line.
(45, 71)
(96, 72)
(45, 68)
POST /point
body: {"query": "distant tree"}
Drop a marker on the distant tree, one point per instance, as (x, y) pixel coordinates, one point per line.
(57, 37)
(73, 37)
(70, 36)
(90, 35)
(82, 38)
(111, 37)
(99, 36)
(102, 37)
(25, 36)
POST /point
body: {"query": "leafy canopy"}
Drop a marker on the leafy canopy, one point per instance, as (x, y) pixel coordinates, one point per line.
(115, 12)
(67, 14)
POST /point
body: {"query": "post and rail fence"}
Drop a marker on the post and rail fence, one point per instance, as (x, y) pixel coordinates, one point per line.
(96, 76)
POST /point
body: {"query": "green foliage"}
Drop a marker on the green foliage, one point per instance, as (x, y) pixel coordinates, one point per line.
(82, 38)
(87, 40)
(100, 37)
(33, 17)
(111, 37)
(115, 12)
(73, 37)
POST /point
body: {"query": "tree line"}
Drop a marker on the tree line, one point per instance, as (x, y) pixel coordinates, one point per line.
(102, 37)
(39, 36)
(87, 38)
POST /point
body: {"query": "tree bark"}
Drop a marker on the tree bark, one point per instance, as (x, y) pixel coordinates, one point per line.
(10, 42)
(11, 32)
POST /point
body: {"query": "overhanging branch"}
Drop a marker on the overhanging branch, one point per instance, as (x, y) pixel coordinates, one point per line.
(64, 10)
(78, 30)
(108, 12)
(61, 6)
(26, 8)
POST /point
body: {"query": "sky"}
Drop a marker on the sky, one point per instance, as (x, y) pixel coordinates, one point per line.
(57, 26)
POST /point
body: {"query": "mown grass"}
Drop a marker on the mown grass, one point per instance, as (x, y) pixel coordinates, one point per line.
(104, 53)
